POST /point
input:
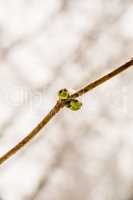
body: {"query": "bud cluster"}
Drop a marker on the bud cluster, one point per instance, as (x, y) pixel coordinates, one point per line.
(71, 103)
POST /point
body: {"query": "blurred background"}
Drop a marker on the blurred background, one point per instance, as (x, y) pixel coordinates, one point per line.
(52, 44)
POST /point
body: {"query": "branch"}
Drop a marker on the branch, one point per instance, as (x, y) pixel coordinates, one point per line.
(101, 80)
(58, 106)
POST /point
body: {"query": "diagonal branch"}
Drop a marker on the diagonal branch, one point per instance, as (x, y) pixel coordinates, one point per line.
(101, 80)
(58, 106)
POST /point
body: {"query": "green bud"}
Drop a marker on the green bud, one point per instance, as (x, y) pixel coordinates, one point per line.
(74, 104)
(63, 94)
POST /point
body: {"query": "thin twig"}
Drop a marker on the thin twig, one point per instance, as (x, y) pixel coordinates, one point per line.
(58, 106)
(34, 132)
(101, 80)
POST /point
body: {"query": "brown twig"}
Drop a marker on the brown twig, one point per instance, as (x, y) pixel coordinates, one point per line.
(101, 80)
(58, 106)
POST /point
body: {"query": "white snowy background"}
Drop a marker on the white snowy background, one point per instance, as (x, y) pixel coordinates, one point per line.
(46, 45)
